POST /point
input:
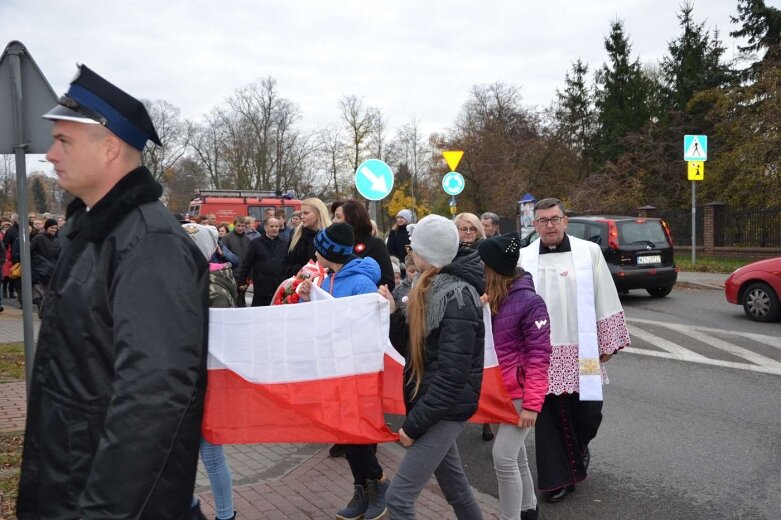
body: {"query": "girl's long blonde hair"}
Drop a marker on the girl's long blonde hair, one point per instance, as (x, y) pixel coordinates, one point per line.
(496, 287)
(416, 319)
(323, 220)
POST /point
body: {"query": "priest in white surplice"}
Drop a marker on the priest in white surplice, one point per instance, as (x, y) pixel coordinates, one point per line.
(587, 328)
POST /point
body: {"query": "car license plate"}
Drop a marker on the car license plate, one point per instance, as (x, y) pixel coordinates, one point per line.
(649, 259)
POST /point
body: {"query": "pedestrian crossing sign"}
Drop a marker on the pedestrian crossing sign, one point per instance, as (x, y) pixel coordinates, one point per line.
(695, 148)
(696, 170)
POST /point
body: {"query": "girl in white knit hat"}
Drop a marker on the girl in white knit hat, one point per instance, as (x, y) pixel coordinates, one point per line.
(441, 335)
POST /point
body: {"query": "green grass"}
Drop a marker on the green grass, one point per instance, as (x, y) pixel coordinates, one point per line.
(710, 265)
(11, 361)
(10, 462)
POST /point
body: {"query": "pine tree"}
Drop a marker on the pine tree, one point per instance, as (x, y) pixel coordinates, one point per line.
(621, 95)
(694, 62)
(38, 191)
(575, 112)
(761, 24)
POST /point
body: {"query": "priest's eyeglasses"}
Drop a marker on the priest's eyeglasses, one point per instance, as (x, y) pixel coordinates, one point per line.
(553, 220)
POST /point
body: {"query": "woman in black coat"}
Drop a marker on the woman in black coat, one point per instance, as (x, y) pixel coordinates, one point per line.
(366, 245)
(398, 238)
(314, 217)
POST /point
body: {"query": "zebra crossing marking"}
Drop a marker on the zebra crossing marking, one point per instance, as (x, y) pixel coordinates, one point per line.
(755, 362)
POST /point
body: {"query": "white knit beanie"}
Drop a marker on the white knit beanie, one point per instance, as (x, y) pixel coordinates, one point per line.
(435, 239)
(205, 237)
(406, 215)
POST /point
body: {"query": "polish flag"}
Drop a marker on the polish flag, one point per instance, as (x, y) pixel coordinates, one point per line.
(322, 371)
(495, 405)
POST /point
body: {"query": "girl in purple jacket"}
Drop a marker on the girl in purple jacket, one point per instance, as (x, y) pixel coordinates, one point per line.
(521, 329)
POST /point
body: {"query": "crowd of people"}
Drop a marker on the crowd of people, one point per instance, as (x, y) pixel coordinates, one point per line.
(117, 393)
(43, 231)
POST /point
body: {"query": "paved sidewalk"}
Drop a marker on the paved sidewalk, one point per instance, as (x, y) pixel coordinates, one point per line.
(278, 481)
(702, 280)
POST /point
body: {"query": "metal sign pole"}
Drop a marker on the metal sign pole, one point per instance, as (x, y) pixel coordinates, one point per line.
(694, 222)
(21, 209)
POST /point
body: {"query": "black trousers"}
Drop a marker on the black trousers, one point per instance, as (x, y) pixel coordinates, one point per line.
(565, 426)
(363, 462)
(261, 300)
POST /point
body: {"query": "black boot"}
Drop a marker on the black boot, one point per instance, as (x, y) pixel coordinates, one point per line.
(488, 434)
(196, 513)
(531, 514)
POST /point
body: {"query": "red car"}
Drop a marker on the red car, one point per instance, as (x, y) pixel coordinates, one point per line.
(757, 287)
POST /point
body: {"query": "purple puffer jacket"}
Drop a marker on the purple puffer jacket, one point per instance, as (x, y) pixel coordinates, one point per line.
(522, 342)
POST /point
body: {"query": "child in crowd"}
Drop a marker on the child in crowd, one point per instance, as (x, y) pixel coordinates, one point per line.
(350, 276)
(401, 292)
(222, 293)
(442, 337)
(521, 329)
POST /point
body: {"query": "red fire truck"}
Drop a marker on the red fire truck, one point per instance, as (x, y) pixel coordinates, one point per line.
(229, 204)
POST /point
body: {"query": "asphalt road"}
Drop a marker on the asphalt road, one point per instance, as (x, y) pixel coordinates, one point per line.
(692, 428)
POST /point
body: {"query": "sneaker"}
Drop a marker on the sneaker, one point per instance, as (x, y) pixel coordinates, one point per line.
(357, 506)
(376, 490)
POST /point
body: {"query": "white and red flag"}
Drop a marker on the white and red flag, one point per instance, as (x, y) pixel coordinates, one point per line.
(322, 371)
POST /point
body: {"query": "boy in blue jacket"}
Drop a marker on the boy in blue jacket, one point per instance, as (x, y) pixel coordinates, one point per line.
(350, 276)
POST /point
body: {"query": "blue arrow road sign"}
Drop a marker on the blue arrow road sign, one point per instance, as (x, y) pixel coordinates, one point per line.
(453, 183)
(695, 148)
(374, 179)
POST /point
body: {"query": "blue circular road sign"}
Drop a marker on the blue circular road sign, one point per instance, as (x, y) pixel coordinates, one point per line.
(453, 183)
(374, 179)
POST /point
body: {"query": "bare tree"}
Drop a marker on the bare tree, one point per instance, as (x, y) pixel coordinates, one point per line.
(331, 151)
(206, 143)
(173, 134)
(359, 122)
(181, 181)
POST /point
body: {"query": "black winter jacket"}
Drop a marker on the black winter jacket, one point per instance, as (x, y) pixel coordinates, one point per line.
(397, 239)
(453, 374)
(45, 245)
(264, 261)
(302, 252)
(238, 245)
(373, 247)
(116, 396)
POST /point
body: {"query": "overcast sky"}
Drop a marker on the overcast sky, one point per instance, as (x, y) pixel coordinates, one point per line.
(408, 58)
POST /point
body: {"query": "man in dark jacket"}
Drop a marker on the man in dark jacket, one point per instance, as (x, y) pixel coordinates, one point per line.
(263, 262)
(238, 242)
(116, 396)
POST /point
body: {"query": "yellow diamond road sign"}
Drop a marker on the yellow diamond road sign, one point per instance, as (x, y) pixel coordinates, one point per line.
(452, 158)
(696, 170)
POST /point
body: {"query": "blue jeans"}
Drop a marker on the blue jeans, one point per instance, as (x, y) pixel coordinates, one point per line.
(219, 473)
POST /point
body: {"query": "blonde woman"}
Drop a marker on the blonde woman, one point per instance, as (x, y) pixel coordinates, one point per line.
(470, 229)
(441, 334)
(314, 217)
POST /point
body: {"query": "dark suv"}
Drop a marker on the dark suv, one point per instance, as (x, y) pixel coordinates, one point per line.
(639, 251)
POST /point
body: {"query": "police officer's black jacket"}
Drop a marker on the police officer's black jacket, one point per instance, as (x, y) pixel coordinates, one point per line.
(116, 398)
(453, 373)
